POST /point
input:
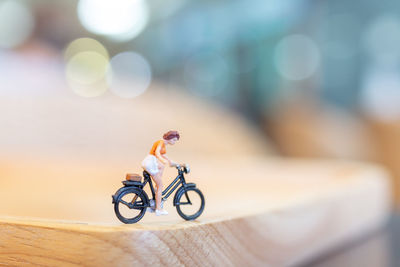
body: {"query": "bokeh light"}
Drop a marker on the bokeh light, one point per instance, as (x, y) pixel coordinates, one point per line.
(297, 57)
(86, 74)
(206, 74)
(120, 20)
(129, 74)
(16, 23)
(382, 39)
(380, 96)
(82, 45)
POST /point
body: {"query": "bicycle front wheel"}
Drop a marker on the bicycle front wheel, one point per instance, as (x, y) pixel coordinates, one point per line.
(190, 203)
(130, 206)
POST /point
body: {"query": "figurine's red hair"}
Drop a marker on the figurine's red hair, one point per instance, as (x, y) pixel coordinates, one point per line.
(170, 135)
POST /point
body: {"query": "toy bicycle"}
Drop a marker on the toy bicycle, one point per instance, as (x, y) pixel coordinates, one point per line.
(131, 201)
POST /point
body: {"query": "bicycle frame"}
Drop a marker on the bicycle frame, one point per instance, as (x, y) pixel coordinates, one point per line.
(179, 180)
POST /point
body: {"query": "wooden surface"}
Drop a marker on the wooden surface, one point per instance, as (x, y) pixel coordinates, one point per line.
(266, 212)
(63, 156)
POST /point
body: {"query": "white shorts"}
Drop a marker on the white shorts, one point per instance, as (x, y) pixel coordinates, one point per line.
(150, 164)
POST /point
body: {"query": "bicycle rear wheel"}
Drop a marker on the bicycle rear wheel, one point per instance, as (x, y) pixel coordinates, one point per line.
(190, 204)
(130, 206)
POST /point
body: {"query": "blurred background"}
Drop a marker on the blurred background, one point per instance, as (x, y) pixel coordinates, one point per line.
(311, 78)
(315, 78)
(299, 78)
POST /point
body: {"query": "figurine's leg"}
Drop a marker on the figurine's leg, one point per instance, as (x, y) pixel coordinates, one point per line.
(158, 180)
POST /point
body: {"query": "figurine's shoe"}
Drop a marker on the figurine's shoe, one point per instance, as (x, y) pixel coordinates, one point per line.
(161, 212)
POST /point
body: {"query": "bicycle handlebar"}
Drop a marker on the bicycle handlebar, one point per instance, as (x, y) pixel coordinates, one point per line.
(185, 167)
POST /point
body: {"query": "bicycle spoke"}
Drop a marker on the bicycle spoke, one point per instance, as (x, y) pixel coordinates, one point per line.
(125, 203)
(184, 203)
(187, 197)
(134, 199)
(138, 205)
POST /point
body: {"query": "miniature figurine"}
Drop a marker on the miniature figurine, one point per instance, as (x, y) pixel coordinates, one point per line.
(154, 164)
(131, 201)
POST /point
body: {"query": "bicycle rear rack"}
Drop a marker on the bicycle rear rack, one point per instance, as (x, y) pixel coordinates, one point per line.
(132, 183)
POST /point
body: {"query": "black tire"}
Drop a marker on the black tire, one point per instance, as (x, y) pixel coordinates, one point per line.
(122, 205)
(197, 206)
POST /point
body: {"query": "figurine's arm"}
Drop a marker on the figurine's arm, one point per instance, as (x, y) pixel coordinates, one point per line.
(159, 156)
(171, 163)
